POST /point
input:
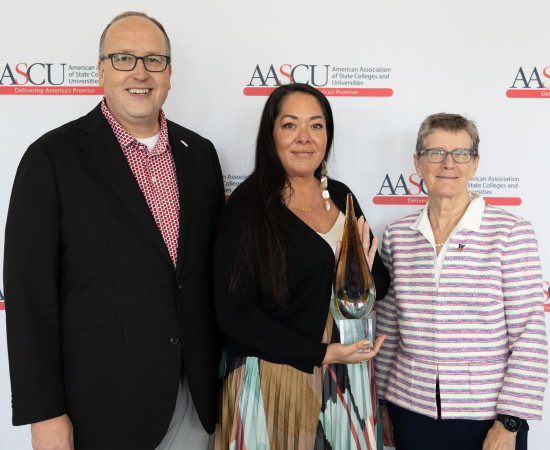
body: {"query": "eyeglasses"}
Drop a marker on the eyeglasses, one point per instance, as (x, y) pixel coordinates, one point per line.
(459, 155)
(127, 62)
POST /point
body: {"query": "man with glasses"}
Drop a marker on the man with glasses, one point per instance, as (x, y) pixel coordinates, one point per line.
(112, 337)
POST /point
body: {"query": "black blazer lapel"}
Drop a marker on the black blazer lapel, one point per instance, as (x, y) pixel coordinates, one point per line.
(185, 167)
(104, 150)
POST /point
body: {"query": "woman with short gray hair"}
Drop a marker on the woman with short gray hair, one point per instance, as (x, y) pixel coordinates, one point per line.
(465, 360)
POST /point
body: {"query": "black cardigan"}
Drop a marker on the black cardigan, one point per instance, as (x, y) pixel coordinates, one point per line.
(289, 335)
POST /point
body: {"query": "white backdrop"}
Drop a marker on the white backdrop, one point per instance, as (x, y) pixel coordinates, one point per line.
(428, 56)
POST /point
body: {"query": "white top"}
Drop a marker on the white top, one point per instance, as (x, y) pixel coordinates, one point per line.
(150, 142)
(471, 220)
(336, 232)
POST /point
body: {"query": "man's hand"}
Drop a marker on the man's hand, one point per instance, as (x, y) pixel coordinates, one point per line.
(499, 438)
(387, 427)
(53, 434)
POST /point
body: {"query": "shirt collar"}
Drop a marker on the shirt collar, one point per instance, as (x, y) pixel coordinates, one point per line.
(125, 139)
(471, 220)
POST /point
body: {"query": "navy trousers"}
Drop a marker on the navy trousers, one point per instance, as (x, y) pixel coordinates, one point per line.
(413, 431)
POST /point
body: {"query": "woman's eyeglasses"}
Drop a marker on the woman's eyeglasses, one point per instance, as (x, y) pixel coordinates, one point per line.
(459, 155)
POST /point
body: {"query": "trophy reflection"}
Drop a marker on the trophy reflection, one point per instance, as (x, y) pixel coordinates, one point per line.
(353, 292)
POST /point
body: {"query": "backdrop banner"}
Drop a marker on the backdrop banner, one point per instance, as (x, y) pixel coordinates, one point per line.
(385, 66)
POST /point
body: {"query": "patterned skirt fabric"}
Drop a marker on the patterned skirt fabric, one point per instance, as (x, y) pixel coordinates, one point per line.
(265, 406)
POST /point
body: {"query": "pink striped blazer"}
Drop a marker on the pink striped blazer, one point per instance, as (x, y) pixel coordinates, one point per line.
(482, 332)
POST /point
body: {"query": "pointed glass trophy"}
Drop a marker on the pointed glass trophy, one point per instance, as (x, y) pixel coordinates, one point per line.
(353, 292)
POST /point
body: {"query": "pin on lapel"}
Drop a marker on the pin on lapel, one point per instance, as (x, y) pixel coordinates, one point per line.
(461, 247)
(184, 144)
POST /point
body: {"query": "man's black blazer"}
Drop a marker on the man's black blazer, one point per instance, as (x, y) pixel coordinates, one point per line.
(99, 322)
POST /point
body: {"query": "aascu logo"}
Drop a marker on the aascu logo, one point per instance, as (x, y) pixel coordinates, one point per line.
(532, 87)
(34, 74)
(399, 191)
(264, 80)
(49, 79)
(306, 75)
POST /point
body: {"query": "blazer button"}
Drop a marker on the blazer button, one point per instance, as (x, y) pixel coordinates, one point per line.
(174, 340)
(179, 287)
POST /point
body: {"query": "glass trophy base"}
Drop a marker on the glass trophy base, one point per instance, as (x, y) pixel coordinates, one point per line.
(353, 330)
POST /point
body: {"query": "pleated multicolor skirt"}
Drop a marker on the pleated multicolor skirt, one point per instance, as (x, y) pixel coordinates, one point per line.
(266, 406)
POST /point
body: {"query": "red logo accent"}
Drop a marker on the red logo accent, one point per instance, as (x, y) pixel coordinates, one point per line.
(415, 200)
(528, 93)
(285, 74)
(547, 294)
(416, 184)
(22, 73)
(399, 200)
(51, 90)
(2, 306)
(329, 92)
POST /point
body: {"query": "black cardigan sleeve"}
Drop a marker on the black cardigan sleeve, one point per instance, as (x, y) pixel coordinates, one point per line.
(380, 273)
(241, 316)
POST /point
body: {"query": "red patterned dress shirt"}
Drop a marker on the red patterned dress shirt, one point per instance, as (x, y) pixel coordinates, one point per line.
(155, 172)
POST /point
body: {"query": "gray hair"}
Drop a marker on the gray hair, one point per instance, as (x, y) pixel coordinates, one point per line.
(446, 122)
(133, 14)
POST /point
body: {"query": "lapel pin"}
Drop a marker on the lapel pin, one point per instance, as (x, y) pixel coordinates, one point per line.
(461, 247)
(184, 144)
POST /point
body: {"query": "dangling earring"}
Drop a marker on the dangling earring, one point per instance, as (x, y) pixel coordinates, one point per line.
(324, 184)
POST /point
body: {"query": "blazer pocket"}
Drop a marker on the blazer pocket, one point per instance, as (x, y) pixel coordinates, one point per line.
(93, 338)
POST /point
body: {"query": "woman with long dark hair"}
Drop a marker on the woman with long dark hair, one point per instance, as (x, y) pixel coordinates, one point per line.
(287, 382)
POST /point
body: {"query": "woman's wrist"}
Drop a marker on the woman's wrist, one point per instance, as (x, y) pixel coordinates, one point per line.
(326, 359)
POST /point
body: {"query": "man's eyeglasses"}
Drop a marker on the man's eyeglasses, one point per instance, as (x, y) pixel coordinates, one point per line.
(127, 62)
(459, 155)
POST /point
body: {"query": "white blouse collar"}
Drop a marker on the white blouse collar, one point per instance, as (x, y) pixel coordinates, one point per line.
(471, 220)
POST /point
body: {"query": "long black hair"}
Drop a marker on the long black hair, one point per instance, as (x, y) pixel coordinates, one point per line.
(265, 230)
